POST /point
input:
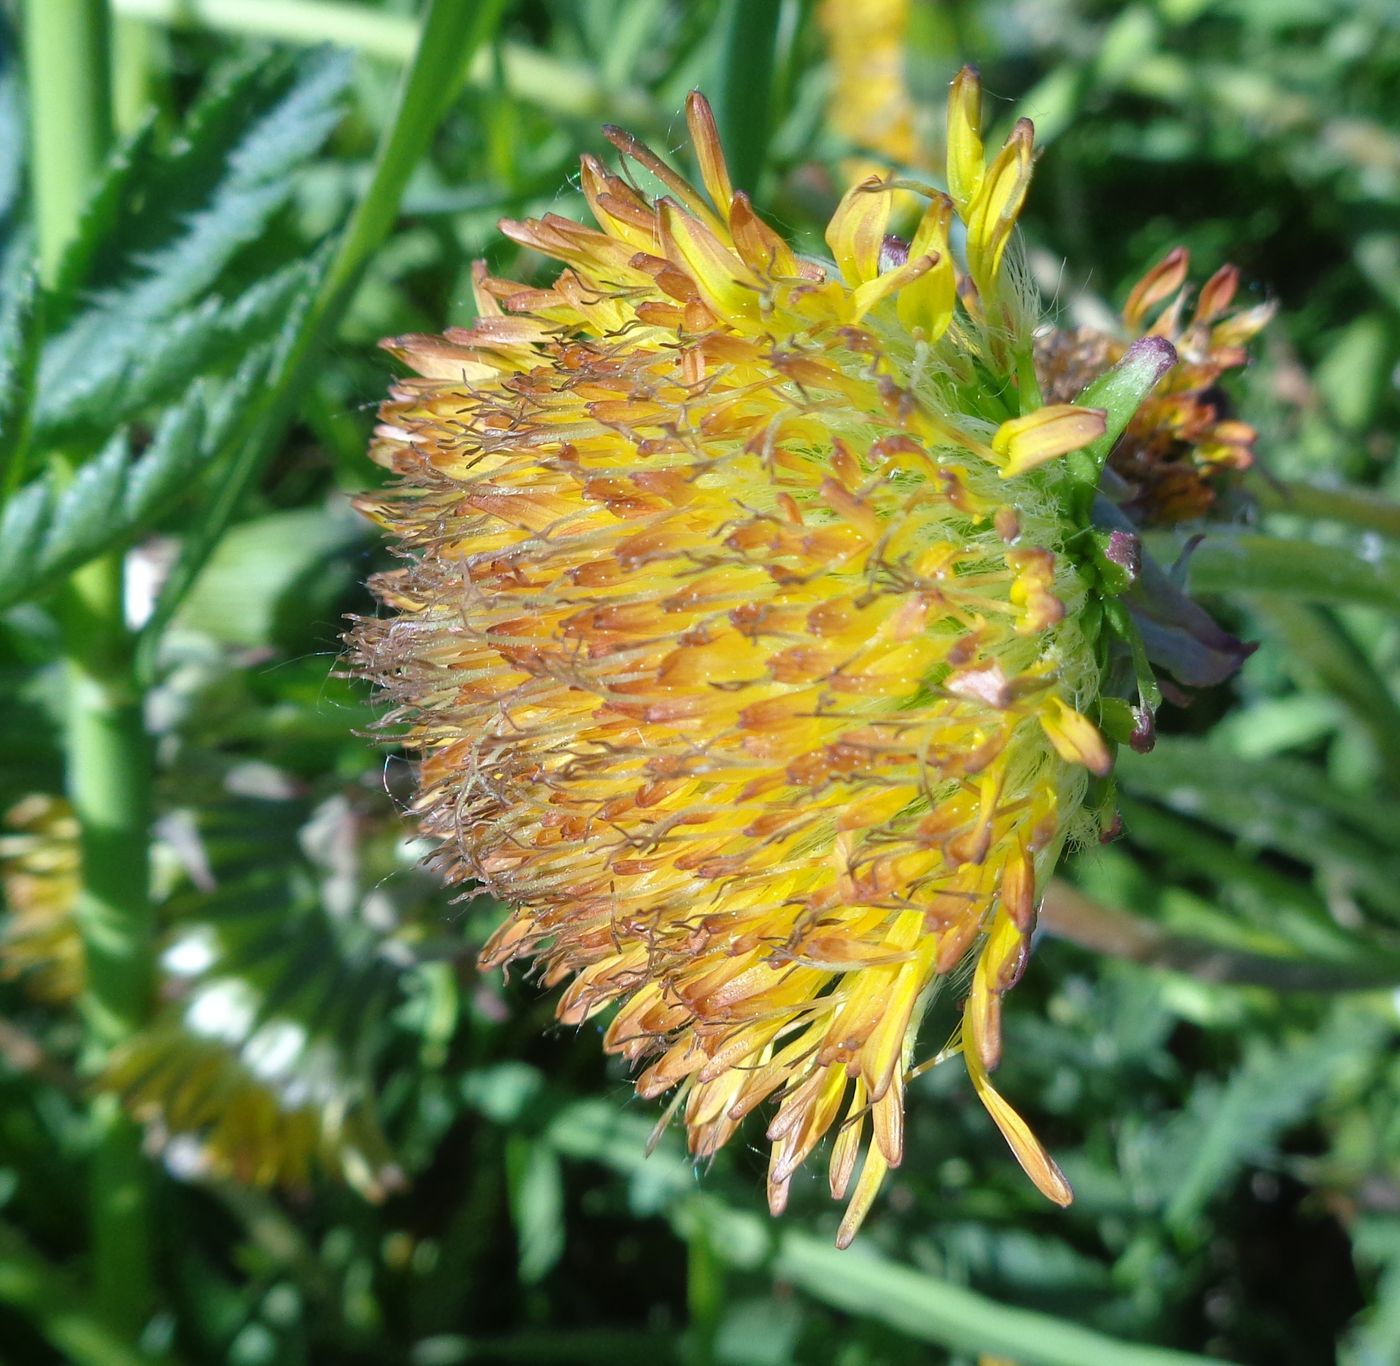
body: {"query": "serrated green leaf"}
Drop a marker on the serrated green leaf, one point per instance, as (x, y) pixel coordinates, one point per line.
(143, 275)
(19, 352)
(117, 189)
(1226, 1125)
(47, 530)
(145, 361)
(239, 420)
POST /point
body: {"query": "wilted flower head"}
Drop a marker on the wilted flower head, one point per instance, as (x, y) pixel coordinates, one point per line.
(1183, 437)
(748, 633)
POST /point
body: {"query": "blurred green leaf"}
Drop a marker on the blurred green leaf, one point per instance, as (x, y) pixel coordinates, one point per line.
(272, 576)
(50, 526)
(536, 1185)
(1276, 804)
(1224, 1126)
(1375, 1339)
(860, 1282)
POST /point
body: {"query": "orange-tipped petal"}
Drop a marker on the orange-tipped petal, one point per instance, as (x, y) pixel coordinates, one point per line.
(704, 137)
(1076, 739)
(1030, 1152)
(1025, 442)
(1161, 282)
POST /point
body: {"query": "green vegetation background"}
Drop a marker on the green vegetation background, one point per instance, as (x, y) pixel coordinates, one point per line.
(352, 1148)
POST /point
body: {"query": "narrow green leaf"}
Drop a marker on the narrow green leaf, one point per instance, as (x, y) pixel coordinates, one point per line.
(857, 1281)
(1279, 805)
(743, 77)
(1319, 649)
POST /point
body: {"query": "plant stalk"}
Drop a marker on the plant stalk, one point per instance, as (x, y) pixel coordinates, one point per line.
(70, 114)
(1364, 509)
(67, 54)
(1306, 570)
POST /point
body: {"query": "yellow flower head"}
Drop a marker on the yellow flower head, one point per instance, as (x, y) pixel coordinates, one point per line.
(743, 636)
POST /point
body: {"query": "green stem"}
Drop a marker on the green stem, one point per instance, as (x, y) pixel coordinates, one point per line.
(109, 762)
(109, 784)
(1068, 914)
(70, 114)
(1292, 567)
(704, 1290)
(1362, 508)
(139, 72)
(451, 33)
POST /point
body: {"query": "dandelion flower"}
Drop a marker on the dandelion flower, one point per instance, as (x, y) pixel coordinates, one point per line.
(749, 635)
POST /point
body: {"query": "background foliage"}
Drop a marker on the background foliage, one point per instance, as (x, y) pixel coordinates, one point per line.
(354, 1148)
